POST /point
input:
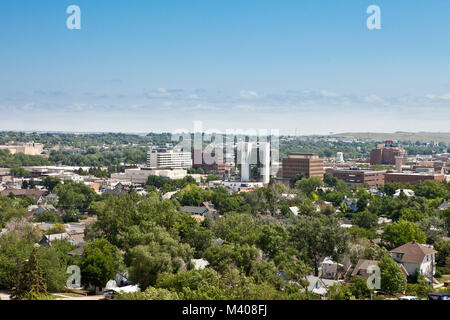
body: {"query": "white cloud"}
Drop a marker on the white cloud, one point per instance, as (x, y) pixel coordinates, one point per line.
(326, 93)
(202, 107)
(373, 98)
(442, 97)
(248, 94)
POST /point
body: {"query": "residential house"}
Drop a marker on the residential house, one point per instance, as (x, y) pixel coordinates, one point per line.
(444, 205)
(294, 210)
(208, 205)
(351, 203)
(19, 193)
(383, 220)
(50, 198)
(168, 195)
(330, 269)
(322, 205)
(47, 239)
(195, 210)
(407, 192)
(118, 189)
(199, 264)
(33, 210)
(415, 256)
(78, 252)
(345, 223)
(363, 268)
(319, 286)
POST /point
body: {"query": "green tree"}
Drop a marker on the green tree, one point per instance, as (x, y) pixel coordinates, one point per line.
(54, 261)
(430, 189)
(13, 251)
(165, 254)
(393, 280)
(99, 263)
(273, 240)
(359, 288)
(150, 293)
(46, 216)
(19, 172)
(443, 251)
(193, 195)
(237, 228)
(74, 196)
(318, 237)
(30, 279)
(365, 219)
(309, 185)
(402, 232)
(50, 183)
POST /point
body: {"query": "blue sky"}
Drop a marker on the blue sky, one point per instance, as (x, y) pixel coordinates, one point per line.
(297, 66)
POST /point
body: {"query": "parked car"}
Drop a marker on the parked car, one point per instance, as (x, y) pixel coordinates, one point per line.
(438, 296)
(109, 295)
(409, 298)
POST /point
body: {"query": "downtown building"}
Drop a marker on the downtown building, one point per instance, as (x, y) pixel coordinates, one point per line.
(169, 159)
(388, 153)
(208, 162)
(412, 177)
(356, 176)
(308, 164)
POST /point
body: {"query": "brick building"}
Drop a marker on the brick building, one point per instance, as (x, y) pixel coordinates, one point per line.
(359, 176)
(411, 177)
(307, 163)
(217, 166)
(387, 153)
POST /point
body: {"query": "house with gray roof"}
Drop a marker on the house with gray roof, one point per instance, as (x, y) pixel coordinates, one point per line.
(415, 256)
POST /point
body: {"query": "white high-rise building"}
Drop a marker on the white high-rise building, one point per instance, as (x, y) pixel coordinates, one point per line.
(246, 158)
(339, 157)
(169, 159)
(264, 157)
(245, 149)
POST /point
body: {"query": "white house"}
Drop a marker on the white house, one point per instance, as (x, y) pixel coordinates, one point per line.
(294, 210)
(415, 256)
(407, 192)
(330, 268)
(319, 286)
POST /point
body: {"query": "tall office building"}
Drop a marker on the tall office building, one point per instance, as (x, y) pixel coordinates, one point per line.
(161, 158)
(307, 163)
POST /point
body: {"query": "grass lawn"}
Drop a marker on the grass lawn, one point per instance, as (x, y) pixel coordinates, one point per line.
(444, 278)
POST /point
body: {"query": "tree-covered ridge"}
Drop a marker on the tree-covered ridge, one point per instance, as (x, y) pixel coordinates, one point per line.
(112, 149)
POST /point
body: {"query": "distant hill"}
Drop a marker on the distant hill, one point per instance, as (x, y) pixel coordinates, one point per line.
(401, 136)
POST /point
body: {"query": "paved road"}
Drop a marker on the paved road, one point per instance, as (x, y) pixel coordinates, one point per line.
(99, 297)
